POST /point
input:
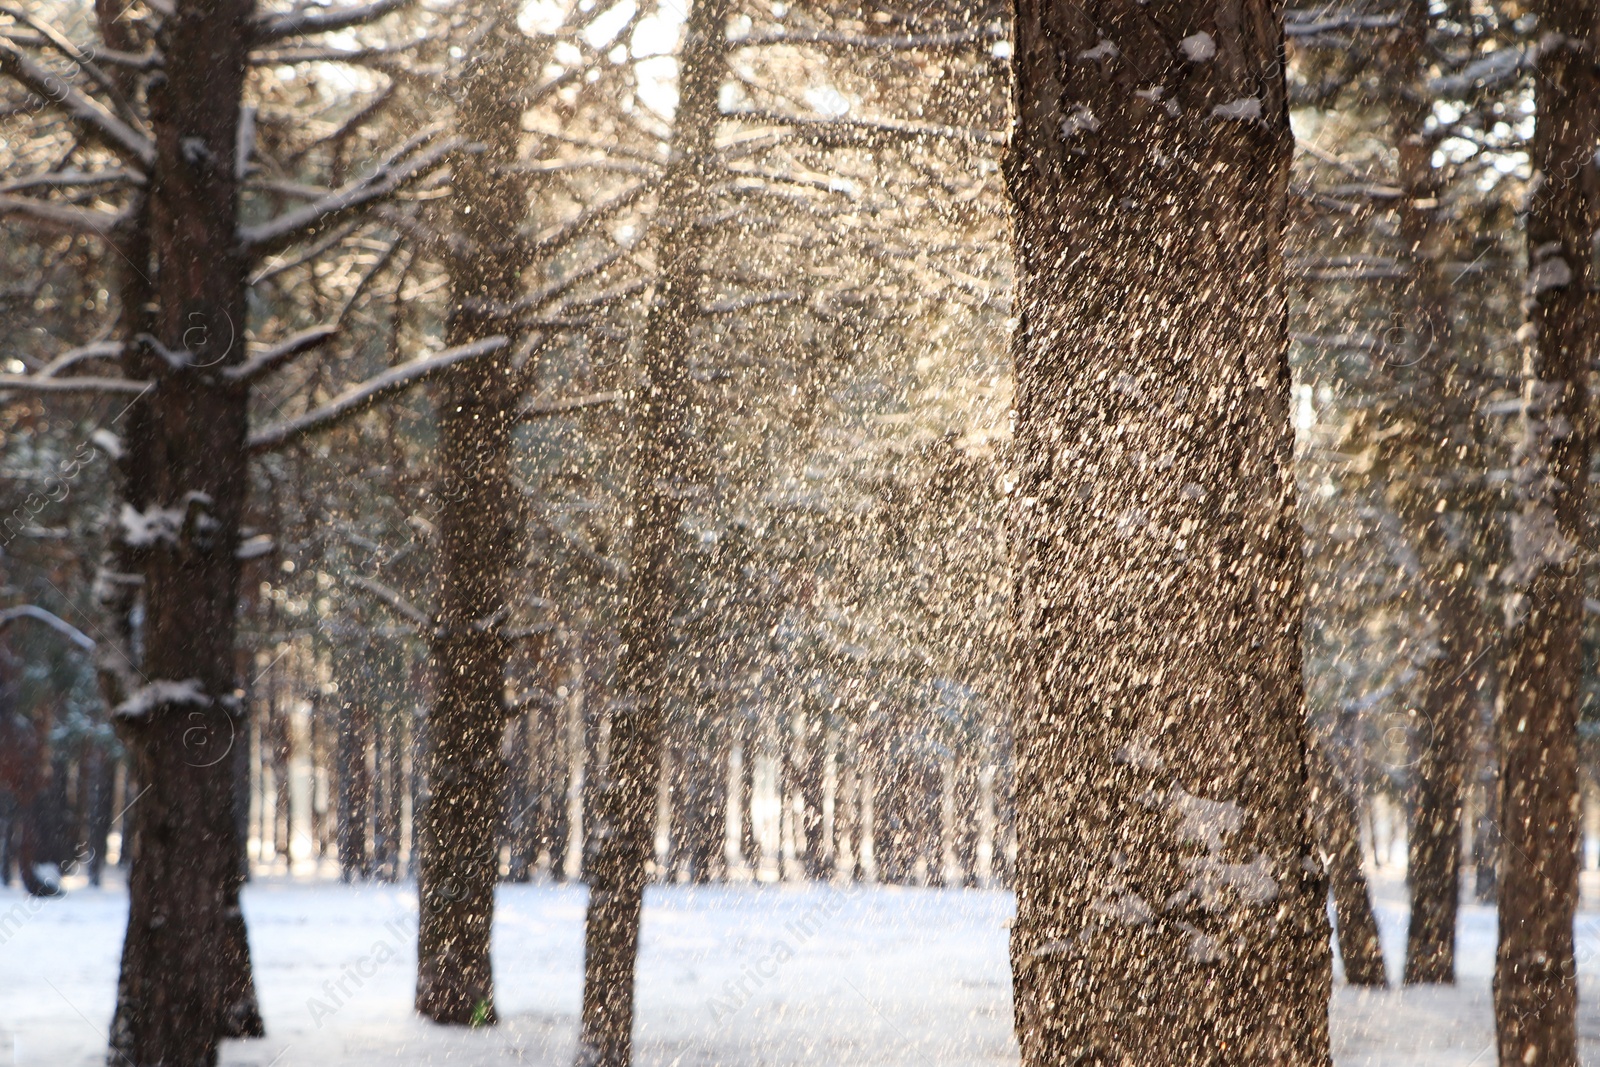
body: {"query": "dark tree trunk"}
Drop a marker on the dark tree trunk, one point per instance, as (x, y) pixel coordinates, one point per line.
(1161, 732)
(100, 771)
(699, 831)
(355, 779)
(1336, 823)
(1535, 983)
(480, 539)
(661, 475)
(185, 958)
(1422, 466)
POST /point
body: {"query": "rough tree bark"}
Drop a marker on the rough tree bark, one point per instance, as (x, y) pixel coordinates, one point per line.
(661, 473)
(179, 530)
(480, 541)
(1431, 471)
(1535, 983)
(1170, 908)
(1338, 830)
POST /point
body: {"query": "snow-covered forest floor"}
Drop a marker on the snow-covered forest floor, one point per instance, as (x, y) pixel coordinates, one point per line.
(770, 975)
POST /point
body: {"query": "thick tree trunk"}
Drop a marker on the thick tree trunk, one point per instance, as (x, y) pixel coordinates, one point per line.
(180, 527)
(661, 476)
(480, 539)
(1535, 983)
(1170, 909)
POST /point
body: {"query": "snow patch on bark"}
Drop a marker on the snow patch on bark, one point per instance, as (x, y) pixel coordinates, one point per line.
(1204, 822)
(1104, 50)
(1243, 109)
(1079, 120)
(1552, 273)
(1198, 47)
(148, 697)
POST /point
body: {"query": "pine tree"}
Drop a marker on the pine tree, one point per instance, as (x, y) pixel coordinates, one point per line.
(1169, 908)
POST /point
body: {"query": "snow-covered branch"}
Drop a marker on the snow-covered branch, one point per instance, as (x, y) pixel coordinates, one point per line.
(358, 398)
(391, 599)
(310, 19)
(542, 409)
(887, 42)
(383, 181)
(82, 354)
(47, 618)
(847, 131)
(280, 354)
(33, 383)
(57, 216)
(563, 234)
(88, 113)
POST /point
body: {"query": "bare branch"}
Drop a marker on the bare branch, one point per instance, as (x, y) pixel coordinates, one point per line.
(359, 398)
(84, 110)
(50, 619)
(280, 354)
(308, 20)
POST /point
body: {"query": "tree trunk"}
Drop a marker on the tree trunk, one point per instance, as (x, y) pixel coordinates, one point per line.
(1422, 466)
(180, 525)
(1535, 983)
(699, 831)
(355, 780)
(1335, 821)
(661, 474)
(1169, 909)
(480, 539)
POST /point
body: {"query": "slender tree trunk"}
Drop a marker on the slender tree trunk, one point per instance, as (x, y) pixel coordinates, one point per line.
(660, 479)
(480, 539)
(699, 832)
(355, 780)
(1535, 983)
(1423, 467)
(1170, 909)
(1339, 833)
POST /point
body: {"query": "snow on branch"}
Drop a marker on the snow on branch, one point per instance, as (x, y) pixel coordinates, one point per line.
(310, 19)
(69, 179)
(50, 619)
(562, 234)
(82, 354)
(734, 304)
(359, 398)
(147, 698)
(1311, 24)
(34, 383)
(87, 112)
(280, 354)
(888, 42)
(846, 131)
(391, 599)
(542, 409)
(58, 216)
(387, 178)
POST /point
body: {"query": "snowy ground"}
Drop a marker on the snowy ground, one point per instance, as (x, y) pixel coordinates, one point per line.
(866, 976)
